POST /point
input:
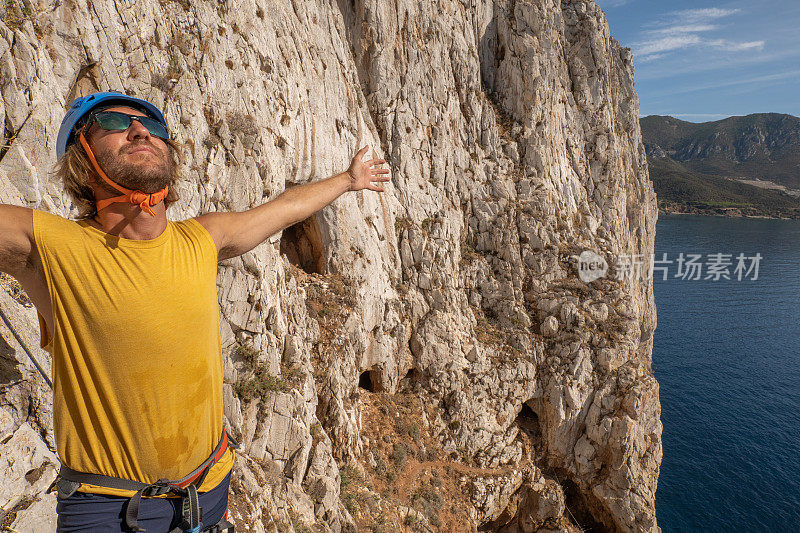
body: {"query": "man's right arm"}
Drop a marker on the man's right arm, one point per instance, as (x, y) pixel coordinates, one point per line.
(16, 239)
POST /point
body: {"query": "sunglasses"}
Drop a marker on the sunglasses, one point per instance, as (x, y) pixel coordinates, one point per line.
(116, 121)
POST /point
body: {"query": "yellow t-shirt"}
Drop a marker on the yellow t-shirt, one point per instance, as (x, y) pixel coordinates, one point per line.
(137, 360)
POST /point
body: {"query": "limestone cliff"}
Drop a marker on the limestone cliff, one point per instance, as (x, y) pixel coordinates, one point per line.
(425, 359)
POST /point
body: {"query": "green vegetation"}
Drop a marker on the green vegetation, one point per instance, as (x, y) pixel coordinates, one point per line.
(15, 14)
(674, 184)
(349, 495)
(298, 524)
(468, 254)
(380, 465)
(402, 223)
(762, 145)
(261, 384)
(693, 166)
(404, 426)
(349, 475)
(399, 454)
(185, 4)
(411, 520)
(428, 501)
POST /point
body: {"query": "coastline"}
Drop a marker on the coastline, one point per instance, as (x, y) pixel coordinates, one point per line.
(725, 212)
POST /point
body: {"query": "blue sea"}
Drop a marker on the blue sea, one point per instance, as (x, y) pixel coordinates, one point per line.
(727, 356)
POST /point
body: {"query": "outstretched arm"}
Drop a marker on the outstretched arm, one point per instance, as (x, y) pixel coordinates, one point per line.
(238, 232)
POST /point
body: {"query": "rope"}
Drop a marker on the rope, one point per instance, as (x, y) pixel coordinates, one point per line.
(24, 347)
(577, 524)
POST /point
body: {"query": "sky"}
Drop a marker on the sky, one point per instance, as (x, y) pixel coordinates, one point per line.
(704, 60)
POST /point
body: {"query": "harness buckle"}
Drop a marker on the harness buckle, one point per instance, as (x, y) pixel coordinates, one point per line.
(158, 488)
(65, 487)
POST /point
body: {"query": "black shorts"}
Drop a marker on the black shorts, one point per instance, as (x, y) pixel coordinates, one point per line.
(106, 514)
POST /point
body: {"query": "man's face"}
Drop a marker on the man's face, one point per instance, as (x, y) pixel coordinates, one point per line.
(133, 158)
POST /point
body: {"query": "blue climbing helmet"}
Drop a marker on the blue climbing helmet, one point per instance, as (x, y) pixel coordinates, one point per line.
(80, 107)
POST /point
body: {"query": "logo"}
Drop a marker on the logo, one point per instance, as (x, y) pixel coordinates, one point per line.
(591, 266)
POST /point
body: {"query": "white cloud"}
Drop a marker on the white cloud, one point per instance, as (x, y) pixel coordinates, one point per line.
(736, 47)
(651, 57)
(666, 44)
(684, 29)
(688, 28)
(699, 15)
(705, 66)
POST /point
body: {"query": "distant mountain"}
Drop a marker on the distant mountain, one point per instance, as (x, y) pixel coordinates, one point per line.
(746, 165)
(762, 146)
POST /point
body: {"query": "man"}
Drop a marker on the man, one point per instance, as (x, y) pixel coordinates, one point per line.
(128, 309)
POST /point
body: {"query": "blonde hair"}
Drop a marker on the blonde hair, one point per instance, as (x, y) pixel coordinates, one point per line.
(75, 171)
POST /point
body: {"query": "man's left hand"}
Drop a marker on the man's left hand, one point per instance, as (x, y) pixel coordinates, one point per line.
(362, 175)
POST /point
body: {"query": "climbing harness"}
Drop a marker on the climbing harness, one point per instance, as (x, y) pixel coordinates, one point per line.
(69, 480)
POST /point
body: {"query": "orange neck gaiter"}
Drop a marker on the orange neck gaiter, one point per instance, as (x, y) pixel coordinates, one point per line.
(135, 197)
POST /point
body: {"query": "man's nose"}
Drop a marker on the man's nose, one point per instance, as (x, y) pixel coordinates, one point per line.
(136, 130)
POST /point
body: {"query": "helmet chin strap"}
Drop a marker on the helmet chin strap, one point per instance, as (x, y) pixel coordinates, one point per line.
(144, 199)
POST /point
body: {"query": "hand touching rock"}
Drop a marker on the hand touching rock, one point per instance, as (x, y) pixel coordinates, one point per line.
(363, 176)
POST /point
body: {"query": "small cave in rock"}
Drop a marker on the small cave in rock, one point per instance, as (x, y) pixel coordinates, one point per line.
(529, 425)
(409, 380)
(302, 244)
(365, 381)
(370, 380)
(578, 510)
(528, 421)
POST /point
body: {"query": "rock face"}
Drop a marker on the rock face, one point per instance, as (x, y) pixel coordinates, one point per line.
(511, 130)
